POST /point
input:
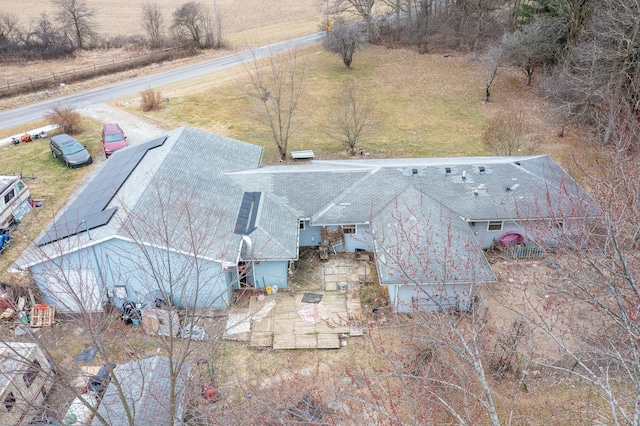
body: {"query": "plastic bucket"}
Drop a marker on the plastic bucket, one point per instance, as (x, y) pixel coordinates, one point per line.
(274, 289)
(342, 286)
(269, 289)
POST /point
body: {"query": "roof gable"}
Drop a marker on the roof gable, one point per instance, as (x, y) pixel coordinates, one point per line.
(419, 241)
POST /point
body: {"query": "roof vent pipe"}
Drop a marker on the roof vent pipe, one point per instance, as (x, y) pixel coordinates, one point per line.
(464, 175)
(249, 247)
(475, 191)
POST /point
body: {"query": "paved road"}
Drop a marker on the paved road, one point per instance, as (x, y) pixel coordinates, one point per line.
(101, 95)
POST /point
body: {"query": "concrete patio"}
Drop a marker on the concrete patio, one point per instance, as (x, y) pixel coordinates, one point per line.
(287, 320)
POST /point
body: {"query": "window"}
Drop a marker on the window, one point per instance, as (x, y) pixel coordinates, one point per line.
(9, 401)
(301, 224)
(557, 224)
(32, 372)
(494, 225)
(120, 291)
(20, 186)
(9, 195)
(349, 229)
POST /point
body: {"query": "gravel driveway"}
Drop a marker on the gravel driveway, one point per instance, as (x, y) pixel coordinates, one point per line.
(136, 129)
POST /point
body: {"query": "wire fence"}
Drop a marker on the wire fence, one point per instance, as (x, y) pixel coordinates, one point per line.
(55, 78)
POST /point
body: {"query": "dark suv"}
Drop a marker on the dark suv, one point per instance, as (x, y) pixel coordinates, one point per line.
(113, 138)
(72, 152)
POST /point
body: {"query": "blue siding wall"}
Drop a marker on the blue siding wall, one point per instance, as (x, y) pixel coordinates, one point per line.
(410, 298)
(271, 273)
(310, 235)
(361, 240)
(539, 231)
(190, 283)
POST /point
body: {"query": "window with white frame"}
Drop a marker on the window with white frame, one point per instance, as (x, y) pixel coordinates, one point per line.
(349, 229)
(494, 225)
(301, 224)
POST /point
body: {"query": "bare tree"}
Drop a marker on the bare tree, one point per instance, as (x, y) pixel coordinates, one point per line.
(9, 29)
(363, 9)
(275, 89)
(77, 20)
(589, 312)
(443, 370)
(352, 117)
(192, 24)
(423, 14)
(491, 62)
(536, 45)
(344, 39)
(153, 20)
(509, 134)
(162, 268)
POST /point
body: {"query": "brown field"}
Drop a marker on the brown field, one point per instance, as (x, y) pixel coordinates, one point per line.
(122, 17)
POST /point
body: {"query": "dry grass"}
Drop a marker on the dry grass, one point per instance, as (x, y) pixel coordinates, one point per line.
(428, 105)
(53, 184)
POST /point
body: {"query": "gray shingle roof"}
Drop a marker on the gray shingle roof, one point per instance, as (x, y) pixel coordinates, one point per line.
(204, 177)
(352, 191)
(146, 385)
(419, 241)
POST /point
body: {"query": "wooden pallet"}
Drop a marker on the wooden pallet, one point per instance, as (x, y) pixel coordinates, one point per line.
(42, 315)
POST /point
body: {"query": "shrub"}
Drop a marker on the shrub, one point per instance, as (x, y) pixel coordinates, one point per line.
(69, 120)
(510, 134)
(151, 100)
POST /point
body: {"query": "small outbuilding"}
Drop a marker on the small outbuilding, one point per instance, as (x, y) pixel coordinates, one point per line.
(146, 388)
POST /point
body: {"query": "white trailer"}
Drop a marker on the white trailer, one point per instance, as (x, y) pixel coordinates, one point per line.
(15, 200)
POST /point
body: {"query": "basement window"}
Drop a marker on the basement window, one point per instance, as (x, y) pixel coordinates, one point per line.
(494, 225)
(349, 229)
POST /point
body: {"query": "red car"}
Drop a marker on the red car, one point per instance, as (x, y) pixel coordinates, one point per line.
(113, 138)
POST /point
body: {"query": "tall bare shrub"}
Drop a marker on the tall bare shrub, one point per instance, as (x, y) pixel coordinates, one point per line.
(151, 100)
(67, 118)
(509, 134)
